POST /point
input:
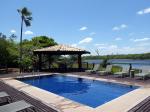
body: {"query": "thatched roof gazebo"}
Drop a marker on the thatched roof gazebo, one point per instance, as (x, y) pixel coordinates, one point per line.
(61, 50)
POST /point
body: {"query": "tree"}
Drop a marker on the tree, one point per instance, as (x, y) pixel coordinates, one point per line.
(3, 50)
(8, 51)
(25, 18)
(28, 46)
(43, 41)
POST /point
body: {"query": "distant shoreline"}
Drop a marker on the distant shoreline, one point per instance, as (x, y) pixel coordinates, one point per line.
(123, 56)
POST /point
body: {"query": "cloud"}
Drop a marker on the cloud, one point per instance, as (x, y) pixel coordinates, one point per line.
(106, 49)
(100, 44)
(74, 45)
(143, 44)
(107, 46)
(123, 26)
(117, 28)
(86, 40)
(13, 31)
(92, 33)
(140, 39)
(28, 33)
(118, 38)
(83, 28)
(144, 11)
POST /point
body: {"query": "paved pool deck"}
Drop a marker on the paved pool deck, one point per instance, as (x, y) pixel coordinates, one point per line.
(120, 104)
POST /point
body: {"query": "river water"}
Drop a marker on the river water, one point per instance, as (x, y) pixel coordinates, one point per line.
(123, 62)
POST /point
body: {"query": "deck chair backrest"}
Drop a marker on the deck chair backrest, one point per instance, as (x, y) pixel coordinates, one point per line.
(96, 67)
(125, 68)
(145, 69)
(108, 68)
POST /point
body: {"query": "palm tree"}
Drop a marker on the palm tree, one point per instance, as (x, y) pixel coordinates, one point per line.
(25, 18)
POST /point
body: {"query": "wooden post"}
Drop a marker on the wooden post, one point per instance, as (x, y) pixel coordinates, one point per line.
(49, 61)
(93, 65)
(87, 65)
(79, 62)
(40, 61)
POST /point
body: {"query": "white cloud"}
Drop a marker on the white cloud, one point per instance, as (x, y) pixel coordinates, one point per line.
(74, 45)
(100, 44)
(140, 12)
(83, 28)
(92, 33)
(13, 31)
(123, 26)
(118, 38)
(115, 49)
(108, 48)
(86, 40)
(140, 39)
(144, 44)
(28, 33)
(117, 28)
(144, 11)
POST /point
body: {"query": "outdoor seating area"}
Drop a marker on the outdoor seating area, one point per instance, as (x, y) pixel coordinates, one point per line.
(126, 71)
(12, 100)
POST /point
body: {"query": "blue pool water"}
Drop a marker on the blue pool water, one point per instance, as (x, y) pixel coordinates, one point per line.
(88, 92)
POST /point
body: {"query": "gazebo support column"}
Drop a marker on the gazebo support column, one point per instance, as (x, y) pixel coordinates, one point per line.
(79, 62)
(40, 61)
(49, 61)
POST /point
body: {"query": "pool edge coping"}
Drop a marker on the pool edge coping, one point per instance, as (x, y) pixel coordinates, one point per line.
(74, 105)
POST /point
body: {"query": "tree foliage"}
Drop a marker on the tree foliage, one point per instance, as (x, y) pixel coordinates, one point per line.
(25, 16)
(43, 41)
(9, 50)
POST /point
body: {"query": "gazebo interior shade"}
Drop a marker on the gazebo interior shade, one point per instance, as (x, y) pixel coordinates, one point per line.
(60, 50)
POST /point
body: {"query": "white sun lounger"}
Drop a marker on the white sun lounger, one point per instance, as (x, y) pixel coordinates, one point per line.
(4, 98)
(123, 73)
(3, 94)
(106, 71)
(15, 106)
(96, 68)
(145, 72)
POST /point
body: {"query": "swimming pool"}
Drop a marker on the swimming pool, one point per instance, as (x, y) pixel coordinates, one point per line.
(92, 93)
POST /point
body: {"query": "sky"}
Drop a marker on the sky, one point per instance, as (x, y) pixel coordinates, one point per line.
(106, 26)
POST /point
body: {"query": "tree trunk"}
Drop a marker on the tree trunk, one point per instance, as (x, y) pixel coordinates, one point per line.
(20, 65)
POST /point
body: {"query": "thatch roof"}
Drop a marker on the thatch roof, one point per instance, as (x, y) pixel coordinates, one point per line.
(61, 49)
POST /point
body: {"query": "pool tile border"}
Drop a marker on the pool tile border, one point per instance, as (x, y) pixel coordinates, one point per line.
(120, 104)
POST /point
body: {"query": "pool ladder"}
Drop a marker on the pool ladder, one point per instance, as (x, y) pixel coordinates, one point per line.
(35, 75)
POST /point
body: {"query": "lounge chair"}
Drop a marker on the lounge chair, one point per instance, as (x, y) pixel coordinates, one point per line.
(15, 106)
(123, 73)
(106, 71)
(145, 72)
(4, 98)
(96, 68)
(3, 94)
